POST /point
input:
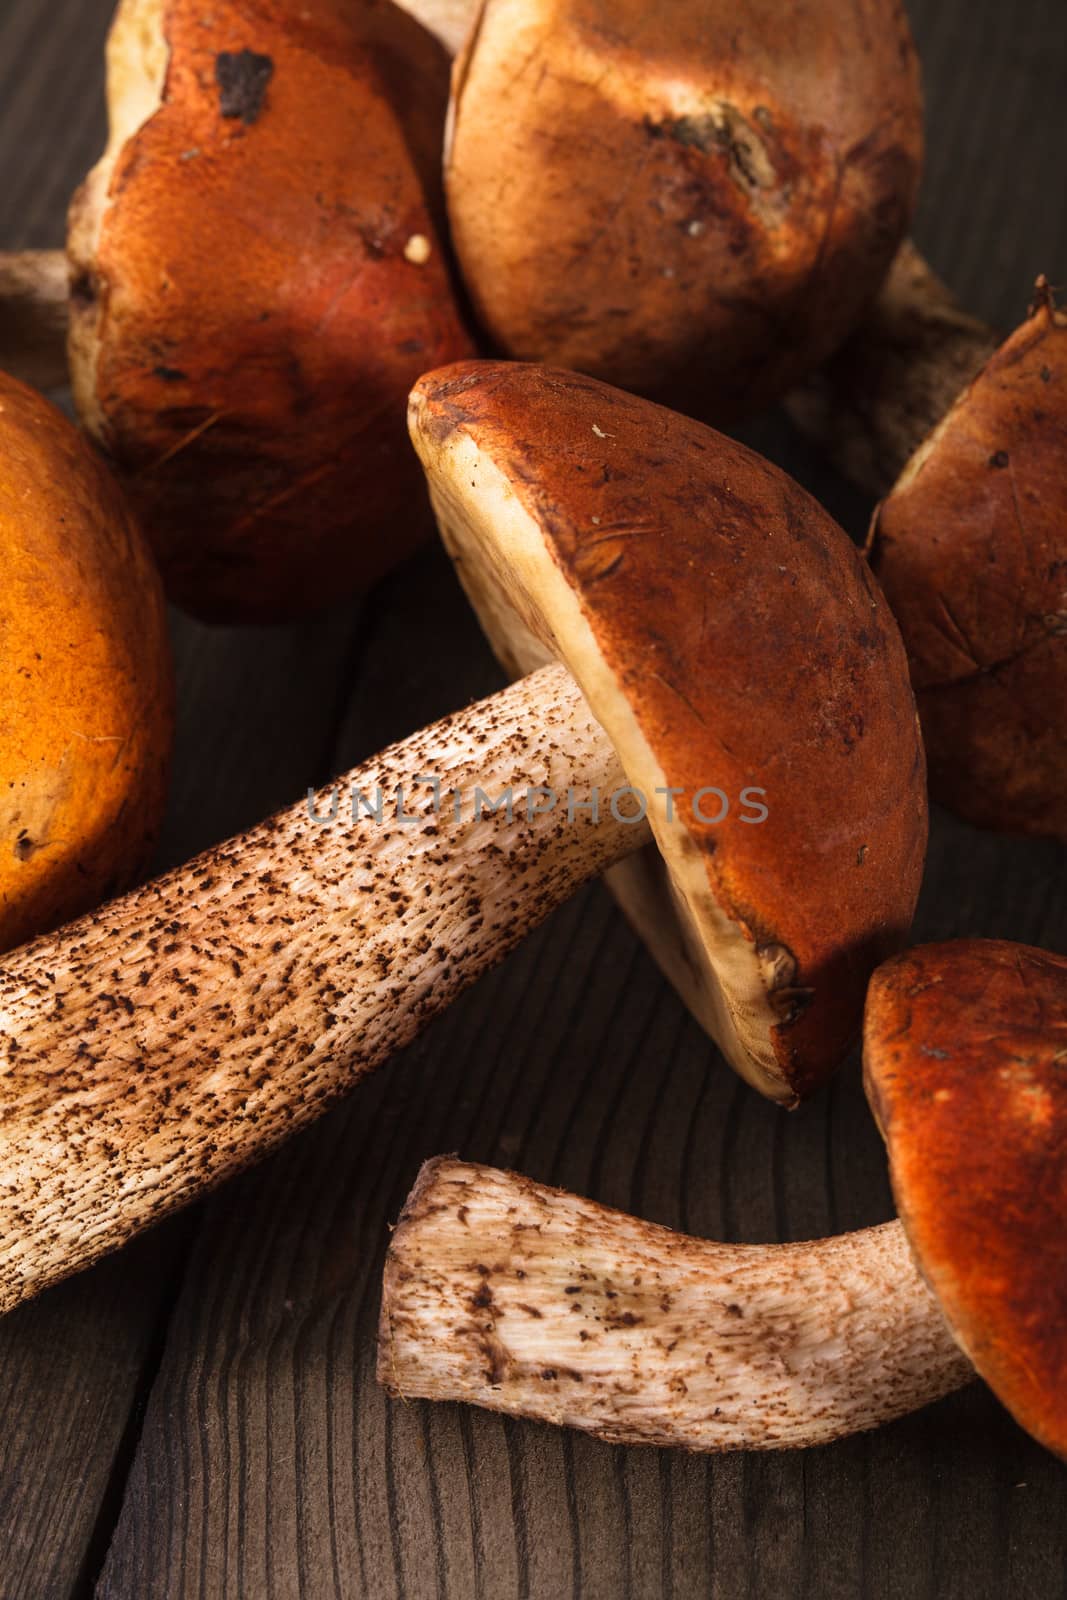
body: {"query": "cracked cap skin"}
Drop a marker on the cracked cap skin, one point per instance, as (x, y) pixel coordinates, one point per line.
(724, 632)
(965, 1061)
(692, 200)
(971, 550)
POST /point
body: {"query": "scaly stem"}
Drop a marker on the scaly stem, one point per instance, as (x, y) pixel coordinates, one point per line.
(526, 1300)
(170, 1038)
(891, 383)
(33, 316)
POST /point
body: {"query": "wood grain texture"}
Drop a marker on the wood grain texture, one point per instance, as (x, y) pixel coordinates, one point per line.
(268, 1463)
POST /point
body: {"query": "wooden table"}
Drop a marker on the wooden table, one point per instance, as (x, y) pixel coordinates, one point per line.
(198, 1416)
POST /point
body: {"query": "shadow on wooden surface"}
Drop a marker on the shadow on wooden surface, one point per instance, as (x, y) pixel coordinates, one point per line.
(198, 1417)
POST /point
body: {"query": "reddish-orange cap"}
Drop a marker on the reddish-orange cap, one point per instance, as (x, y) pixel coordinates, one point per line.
(971, 549)
(966, 1069)
(725, 632)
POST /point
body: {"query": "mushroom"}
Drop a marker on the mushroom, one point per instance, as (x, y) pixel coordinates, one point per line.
(258, 277)
(692, 623)
(970, 544)
(85, 676)
(526, 1300)
(683, 199)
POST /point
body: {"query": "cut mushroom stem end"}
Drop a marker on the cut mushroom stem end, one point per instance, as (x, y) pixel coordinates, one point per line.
(526, 1300)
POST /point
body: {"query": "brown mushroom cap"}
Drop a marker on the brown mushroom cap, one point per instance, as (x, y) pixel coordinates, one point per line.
(85, 680)
(684, 199)
(971, 549)
(725, 633)
(966, 1071)
(259, 279)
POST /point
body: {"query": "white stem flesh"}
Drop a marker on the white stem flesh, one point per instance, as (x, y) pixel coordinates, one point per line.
(520, 1298)
(170, 1038)
(34, 313)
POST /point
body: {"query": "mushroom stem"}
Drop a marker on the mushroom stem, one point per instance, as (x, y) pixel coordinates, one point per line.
(165, 1041)
(34, 313)
(872, 405)
(526, 1300)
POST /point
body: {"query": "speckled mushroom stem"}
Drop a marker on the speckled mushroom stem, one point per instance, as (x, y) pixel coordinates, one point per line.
(890, 384)
(170, 1038)
(34, 315)
(526, 1300)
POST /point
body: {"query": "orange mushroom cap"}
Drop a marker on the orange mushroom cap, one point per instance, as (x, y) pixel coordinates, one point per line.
(692, 199)
(966, 1070)
(86, 714)
(259, 277)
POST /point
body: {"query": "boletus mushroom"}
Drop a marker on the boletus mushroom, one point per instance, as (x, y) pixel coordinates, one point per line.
(687, 199)
(970, 544)
(85, 676)
(526, 1300)
(258, 277)
(693, 625)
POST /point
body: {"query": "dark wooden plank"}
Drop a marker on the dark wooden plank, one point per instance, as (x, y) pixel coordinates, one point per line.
(269, 1464)
(52, 117)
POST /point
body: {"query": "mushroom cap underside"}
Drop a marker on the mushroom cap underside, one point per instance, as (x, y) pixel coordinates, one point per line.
(732, 643)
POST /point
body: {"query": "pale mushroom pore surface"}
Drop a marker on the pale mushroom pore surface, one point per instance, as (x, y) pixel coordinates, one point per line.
(731, 641)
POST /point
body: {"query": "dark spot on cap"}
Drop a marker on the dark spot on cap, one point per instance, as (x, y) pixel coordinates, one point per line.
(170, 374)
(999, 458)
(242, 77)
